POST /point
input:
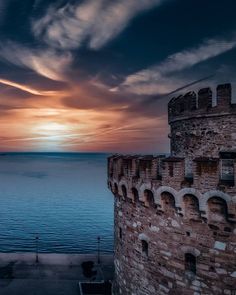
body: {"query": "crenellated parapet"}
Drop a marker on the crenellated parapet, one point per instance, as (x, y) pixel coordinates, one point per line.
(207, 173)
(202, 103)
(145, 167)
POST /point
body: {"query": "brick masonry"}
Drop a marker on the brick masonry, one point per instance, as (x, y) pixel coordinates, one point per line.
(175, 216)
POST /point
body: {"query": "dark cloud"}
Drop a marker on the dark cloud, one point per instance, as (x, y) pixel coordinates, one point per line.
(100, 73)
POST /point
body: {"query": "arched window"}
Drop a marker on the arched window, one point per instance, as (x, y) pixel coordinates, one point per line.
(191, 207)
(190, 263)
(135, 194)
(124, 191)
(144, 247)
(168, 202)
(120, 233)
(217, 209)
(148, 198)
(115, 188)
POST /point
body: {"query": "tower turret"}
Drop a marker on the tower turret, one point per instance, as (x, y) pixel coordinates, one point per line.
(175, 217)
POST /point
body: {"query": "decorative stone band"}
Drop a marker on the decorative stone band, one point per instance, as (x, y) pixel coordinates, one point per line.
(148, 195)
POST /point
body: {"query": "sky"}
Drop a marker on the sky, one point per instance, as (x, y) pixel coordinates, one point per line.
(94, 75)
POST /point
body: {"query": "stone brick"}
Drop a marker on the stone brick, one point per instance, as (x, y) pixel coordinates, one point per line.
(177, 216)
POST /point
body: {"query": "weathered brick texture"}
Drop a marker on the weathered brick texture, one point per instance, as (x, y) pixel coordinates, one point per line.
(175, 216)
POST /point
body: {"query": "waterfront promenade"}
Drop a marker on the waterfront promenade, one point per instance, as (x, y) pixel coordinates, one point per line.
(57, 274)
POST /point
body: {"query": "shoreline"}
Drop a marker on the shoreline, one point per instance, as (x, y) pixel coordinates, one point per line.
(63, 259)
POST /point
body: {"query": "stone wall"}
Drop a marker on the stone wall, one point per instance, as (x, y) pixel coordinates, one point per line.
(198, 128)
(170, 236)
(175, 217)
(197, 137)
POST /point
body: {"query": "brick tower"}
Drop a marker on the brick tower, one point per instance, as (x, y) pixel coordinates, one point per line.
(175, 216)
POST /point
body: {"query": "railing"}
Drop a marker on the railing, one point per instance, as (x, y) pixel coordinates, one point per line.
(36, 243)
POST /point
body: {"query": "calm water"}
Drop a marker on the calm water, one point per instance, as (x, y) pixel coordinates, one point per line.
(61, 197)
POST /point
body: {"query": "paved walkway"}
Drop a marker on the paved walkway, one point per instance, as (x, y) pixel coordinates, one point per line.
(57, 274)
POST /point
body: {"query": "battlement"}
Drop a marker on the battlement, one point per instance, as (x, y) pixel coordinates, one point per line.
(207, 173)
(202, 103)
(146, 167)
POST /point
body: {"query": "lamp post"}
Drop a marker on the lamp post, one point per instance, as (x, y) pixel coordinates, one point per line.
(99, 239)
(37, 250)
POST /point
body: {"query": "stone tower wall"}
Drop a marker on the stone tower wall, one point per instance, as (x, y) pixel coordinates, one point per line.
(200, 129)
(175, 233)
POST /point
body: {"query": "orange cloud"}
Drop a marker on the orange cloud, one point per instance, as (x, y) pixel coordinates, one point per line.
(81, 118)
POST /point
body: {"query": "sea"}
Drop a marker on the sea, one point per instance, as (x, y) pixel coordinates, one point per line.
(55, 203)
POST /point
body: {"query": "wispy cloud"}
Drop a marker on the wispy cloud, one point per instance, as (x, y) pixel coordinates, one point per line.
(157, 79)
(48, 63)
(26, 88)
(93, 22)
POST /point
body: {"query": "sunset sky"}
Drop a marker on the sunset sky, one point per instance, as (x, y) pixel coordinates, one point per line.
(91, 75)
